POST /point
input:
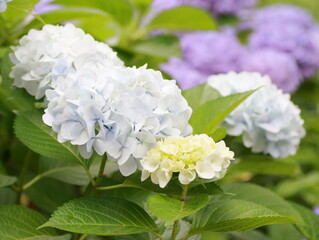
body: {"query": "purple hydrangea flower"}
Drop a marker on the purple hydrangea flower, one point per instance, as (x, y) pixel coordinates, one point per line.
(290, 39)
(279, 66)
(186, 76)
(212, 52)
(316, 210)
(231, 7)
(285, 14)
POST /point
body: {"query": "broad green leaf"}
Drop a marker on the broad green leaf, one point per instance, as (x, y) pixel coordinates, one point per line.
(259, 195)
(290, 187)
(235, 215)
(101, 216)
(219, 134)
(258, 165)
(120, 10)
(18, 222)
(68, 172)
(201, 186)
(183, 18)
(159, 46)
(210, 114)
(244, 207)
(250, 235)
(170, 209)
(277, 231)
(62, 15)
(7, 180)
(13, 98)
(63, 237)
(48, 194)
(310, 222)
(8, 196)
(199, 95)
(37, 136)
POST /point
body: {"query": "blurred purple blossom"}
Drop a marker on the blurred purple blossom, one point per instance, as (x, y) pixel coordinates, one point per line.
(290, 39)
(186, 76)
(284, 14)
(231, 7)
(212, 52)
(279, 66)
(316, 210)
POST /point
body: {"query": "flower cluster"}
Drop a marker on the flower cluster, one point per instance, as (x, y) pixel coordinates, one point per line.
(206, 53)
(189, 156)
(44, 55)
(269, 122)
(3, 5)
(115, 110)
(283, 45)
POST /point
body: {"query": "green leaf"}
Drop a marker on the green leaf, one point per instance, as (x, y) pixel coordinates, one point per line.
(258, 165)
(160, 46)
(170, 209)
(101, 216)
(244, 207)
(288, 230)
(310, 222)
(210, 114)
(7, 180)
(8, 196)
(251, 235)
(18, 222)
(63, 237)
(120, 10)
(235, 215)
(183, 18)
(199, 95)
(201, 186)
(68, 172)
(37, 136)
(259, 195)
(48, 194)
(15, 99)
(219, 134)
(291, 187)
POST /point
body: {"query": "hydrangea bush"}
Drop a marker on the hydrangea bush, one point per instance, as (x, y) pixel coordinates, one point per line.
(96, 143)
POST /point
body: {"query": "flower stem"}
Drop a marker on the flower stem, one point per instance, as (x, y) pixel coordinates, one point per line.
(158, 235)
(100, 175)
(176, 223)
(24, 171)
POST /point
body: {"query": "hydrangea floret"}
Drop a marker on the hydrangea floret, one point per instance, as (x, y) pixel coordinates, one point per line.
(188, 156)
(44, 55)
(269, 122)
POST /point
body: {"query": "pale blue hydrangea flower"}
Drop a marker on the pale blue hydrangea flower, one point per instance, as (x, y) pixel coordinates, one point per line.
(115, 110)
(3, 5)
(269, 122)
(44, 55)
(279, 66)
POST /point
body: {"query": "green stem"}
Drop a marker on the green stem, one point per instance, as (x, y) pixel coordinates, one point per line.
(176, 223)
(101, 171)
(122, 185)
(32, 181)
(83, 237)
(175, 230)
(23, 173)
(158, 235)
(87, 171)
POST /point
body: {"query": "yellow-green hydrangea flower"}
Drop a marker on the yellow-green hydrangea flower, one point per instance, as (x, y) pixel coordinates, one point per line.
(189, 156)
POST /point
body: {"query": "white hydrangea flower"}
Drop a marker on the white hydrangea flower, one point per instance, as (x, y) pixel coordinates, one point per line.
(188, 156)
(269, 121)
(115, 110)
(44, 55)
(3, 5)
